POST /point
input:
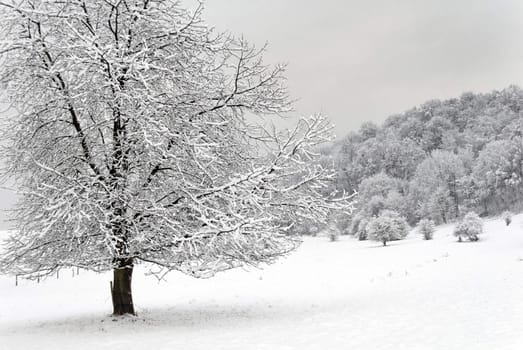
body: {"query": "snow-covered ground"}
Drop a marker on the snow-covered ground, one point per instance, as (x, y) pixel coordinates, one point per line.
(413, 294)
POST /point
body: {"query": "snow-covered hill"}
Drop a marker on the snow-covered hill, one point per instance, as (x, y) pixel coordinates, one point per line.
(413, 294)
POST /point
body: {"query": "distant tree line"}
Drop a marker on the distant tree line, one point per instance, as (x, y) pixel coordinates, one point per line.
(437, 161)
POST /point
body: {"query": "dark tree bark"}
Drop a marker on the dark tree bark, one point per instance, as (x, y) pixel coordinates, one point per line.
(384, 242)
(121, 288)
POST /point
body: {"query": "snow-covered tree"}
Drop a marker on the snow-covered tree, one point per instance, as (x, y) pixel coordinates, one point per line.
(426, 228)
(469, 227)
(402, 157)
(498, 172)
(439, 205)
(377, 185)
(389, 226)
(435, 185)
(359, 227)
(434, 131)
(139, 137)
(369, 130)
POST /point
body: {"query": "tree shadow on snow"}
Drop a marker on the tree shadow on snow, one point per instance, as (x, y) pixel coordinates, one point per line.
(189, 316)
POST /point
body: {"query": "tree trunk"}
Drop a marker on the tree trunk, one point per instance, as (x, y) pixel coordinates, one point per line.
(121, 289)
(454, 194)
(443, 217)
(384, 243)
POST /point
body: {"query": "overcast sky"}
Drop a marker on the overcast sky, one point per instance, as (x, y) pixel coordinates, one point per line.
(365, 60)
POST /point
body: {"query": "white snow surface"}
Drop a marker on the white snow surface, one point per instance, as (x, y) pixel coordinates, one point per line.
(413, 294)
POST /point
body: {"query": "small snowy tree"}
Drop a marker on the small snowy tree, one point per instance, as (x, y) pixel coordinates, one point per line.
(426, 228)
(332, 232)
(136, 141)
(507, 217)
(469, 227)
(389, 226)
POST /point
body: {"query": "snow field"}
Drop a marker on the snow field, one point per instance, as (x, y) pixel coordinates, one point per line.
(413, 294)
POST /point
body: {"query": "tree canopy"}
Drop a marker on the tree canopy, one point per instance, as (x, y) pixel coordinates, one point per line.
(139, 137)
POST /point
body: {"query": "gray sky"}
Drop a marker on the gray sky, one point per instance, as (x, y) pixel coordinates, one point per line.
(365, 60)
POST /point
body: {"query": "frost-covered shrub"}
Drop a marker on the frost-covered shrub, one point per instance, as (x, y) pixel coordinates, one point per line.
(507, 217)
(333, 235)
(332, 232)
(389, 226)
(426, 228)
(469, 227)
(362, 230)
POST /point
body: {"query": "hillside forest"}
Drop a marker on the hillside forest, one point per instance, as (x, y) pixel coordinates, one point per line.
(437, 161)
